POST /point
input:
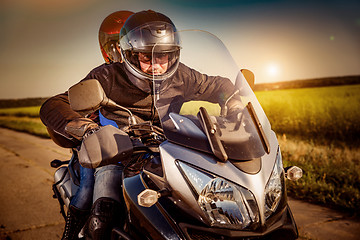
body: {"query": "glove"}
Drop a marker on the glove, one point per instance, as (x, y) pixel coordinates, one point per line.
(81, 127)
(233, 107)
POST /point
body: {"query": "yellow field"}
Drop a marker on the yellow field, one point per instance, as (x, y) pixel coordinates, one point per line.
(329, 115)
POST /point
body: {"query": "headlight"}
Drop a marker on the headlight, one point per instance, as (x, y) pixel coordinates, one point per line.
(226, 204)
(274, 187)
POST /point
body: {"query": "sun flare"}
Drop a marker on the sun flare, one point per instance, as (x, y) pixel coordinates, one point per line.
(273, 70)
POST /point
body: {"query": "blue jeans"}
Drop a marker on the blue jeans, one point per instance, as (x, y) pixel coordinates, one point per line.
(102, 182)
(83, 197)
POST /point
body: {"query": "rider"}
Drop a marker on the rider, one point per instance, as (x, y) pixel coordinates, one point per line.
(129, 84)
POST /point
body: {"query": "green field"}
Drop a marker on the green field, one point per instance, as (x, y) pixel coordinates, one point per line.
(25, 119)
(21, 112)
(318, 130)
(328, 115)
(24, 124)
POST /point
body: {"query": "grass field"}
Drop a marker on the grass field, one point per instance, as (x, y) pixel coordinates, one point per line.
(331, 173)
(25, 119)
(21, 112)
(318, 130)
(326, 115)
(24, 124)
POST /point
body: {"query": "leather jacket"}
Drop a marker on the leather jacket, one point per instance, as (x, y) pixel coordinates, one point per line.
(136, 95)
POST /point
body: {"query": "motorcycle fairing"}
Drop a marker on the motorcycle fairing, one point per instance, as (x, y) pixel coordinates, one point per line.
(171, 152)
(154, 220)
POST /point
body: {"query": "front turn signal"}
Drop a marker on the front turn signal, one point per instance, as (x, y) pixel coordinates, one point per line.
(293, 173)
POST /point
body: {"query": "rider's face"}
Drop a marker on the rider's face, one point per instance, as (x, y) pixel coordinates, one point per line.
(156, 66)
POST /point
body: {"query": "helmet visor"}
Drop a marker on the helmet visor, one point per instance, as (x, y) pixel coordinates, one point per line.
(152, 49)
(143, 38)
(112, 50)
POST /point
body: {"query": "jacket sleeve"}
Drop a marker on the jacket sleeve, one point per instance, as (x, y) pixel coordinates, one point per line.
(55, 113)
(213, 89)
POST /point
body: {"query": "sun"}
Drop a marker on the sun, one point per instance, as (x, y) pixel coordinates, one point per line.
(272, 69)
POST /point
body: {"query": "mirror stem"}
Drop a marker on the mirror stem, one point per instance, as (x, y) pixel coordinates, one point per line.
(110, 103)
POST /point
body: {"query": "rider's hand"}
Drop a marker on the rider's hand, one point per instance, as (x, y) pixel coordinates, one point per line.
(234, 107)
(80, 127)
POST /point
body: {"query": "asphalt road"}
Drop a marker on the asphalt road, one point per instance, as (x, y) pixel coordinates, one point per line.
(28, 211)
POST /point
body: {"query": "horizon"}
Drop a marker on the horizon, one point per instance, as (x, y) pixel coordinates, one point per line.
(256, 84)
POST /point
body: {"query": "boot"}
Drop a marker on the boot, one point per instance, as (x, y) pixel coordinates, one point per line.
(105, 214)
(75, 220)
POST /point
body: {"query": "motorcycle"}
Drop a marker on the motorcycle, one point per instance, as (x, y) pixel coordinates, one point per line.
(202, 175)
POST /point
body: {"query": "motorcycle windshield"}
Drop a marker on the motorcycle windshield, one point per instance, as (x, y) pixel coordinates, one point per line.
(231, 123)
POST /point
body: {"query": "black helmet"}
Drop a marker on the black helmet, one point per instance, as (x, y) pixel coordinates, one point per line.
(150, 35)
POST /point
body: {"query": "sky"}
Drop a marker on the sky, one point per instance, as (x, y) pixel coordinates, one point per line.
(48, 45)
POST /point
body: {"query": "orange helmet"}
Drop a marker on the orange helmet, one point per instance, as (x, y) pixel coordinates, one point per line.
(109, 35)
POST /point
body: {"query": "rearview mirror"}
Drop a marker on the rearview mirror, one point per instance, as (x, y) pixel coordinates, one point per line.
(86, 96)
(250, 77)
(89, 95)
